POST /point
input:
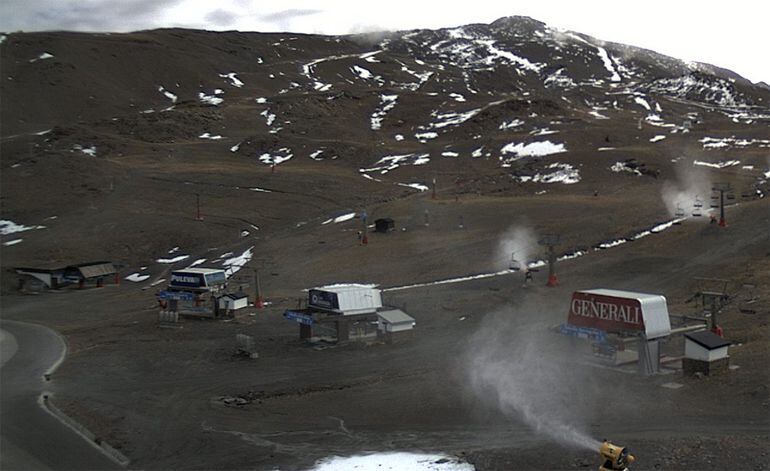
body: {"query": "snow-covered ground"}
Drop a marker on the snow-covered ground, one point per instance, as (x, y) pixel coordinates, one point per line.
(233, 264)
(533, 149)
(722, 164)
(10, 227)
(558, 173)
(393, 461)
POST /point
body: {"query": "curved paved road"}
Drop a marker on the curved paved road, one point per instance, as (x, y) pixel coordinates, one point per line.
(30, 437)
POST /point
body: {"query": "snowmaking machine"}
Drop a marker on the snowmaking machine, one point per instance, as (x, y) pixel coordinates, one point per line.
(614, 458)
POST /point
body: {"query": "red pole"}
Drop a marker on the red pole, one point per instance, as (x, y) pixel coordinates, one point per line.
(722, 222)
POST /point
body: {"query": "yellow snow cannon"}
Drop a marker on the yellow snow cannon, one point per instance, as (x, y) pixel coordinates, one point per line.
(614, 458)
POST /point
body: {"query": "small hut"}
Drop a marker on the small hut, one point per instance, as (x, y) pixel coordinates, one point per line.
(384, 225)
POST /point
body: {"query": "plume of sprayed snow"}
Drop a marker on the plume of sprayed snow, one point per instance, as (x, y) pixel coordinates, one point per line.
(526, 372)
(691, 185)
(519, 242)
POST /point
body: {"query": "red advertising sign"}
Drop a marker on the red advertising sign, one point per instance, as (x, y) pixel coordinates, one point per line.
(607, 313)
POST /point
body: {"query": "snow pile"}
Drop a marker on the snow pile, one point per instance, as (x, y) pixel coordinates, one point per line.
(533, 149)
(387, 103)
(167, 94)
(269, 117)
(211, 99)
(511, 124)
(559, 79)
(168, 261)
(422, 77)
(362, 72)
(10, 227)
(657, 138)
(12, 242)
(43, 56)
(236, 263)
(233, 79)
(416, 186)
(624, 167)
(89, 151)
(720, 143)
(216, 137)
(722, 164)
(136, 277)
(543, 132)
(425, 136)
(595, 113)
(392, 162)
(277, 157)
(561, 173)
(393, 461)
(340, 218)
(451, 119)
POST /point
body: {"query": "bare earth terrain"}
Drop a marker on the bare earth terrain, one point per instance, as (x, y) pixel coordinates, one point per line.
(534, 131)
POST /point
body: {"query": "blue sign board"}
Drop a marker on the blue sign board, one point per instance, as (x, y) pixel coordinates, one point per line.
(323, 299)
(179, 295)
(299, 317)
(187, 279)
(589, 333)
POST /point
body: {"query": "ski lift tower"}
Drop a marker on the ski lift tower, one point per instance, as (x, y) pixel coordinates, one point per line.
(365, 229)
(713, 293)
(550, 241)
(722, 188)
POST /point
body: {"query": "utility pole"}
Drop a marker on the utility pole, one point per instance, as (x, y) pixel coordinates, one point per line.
(550, 241)
(365, 231)
(433, 195)
(722, 187)
(259, 301)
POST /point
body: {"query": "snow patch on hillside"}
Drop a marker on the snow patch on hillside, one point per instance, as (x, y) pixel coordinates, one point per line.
(210, 99)
(723, 142)
(236, 263)
(560, 173)
(234, 81)
(392, 162)
(417, 186)
(167, 94)
(387, 103)
(722, 164)
(533, 149)
(276, 157)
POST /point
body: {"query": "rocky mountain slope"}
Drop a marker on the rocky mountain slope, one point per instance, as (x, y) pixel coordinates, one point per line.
(107, 138)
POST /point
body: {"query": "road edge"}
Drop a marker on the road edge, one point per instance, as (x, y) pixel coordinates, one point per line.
(46, 402)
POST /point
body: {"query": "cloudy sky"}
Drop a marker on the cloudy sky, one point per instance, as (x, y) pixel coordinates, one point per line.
(731, 34)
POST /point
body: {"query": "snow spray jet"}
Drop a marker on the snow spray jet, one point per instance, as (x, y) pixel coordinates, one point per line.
(518, 366)
(692, 186)
(518, 242)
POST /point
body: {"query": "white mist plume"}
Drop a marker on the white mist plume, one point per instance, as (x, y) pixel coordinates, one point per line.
(519, 242)
(692, 185)
(527, 371)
